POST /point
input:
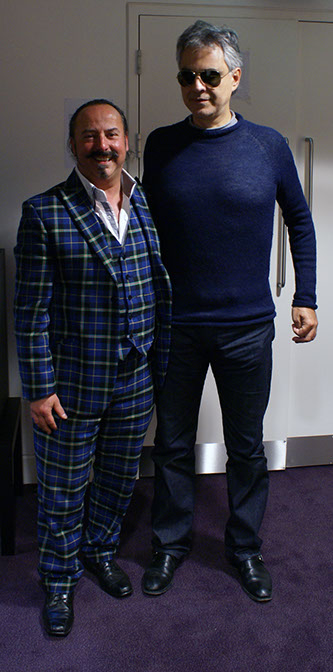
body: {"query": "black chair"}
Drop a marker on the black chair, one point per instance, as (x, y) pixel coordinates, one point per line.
(11, 477)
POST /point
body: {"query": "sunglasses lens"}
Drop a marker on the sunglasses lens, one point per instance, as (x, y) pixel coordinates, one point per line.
(186, 77)
(211, 77)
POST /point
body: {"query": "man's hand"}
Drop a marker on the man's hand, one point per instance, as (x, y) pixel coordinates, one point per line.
(41, 412)
(304, 324)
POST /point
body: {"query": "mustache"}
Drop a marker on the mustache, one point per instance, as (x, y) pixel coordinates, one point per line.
(97, 154)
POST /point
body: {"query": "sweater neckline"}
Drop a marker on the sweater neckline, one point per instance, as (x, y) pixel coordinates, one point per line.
(213, 132)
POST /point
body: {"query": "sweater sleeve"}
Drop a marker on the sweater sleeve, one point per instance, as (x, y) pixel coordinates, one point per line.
(301, 231)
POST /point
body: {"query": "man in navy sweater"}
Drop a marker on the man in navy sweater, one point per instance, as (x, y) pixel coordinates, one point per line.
(212, 181)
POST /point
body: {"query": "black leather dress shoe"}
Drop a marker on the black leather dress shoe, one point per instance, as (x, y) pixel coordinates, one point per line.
(255, 579)
(157, 578)
(58, 614)
(111, 577)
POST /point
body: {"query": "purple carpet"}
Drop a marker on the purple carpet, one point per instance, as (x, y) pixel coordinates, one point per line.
(205, 623)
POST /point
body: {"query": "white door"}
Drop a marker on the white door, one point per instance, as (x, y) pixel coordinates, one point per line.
(267, 96)
(311, 367)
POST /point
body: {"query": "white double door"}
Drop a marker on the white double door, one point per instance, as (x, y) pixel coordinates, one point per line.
(283, 86)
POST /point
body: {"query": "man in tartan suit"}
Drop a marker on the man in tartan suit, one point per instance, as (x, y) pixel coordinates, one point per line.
(92, 316)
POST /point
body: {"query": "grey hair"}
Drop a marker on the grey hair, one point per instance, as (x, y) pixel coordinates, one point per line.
(203, 34)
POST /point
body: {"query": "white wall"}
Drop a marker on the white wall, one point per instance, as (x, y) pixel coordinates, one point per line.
(52, 50)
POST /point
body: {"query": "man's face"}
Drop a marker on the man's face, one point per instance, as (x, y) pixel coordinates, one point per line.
(100, 145)
(210, 106)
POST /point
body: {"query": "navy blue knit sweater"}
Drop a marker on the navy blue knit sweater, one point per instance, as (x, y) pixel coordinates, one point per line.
(212, 195)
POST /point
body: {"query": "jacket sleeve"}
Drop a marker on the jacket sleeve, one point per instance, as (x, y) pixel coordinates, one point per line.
(33, 294)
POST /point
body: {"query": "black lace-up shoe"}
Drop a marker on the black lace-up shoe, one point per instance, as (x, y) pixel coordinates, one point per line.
(255, 579)
(158, 576)
(58, 614)
(111, 577)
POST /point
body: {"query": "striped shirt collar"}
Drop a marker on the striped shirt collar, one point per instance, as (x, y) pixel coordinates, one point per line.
(127, 184)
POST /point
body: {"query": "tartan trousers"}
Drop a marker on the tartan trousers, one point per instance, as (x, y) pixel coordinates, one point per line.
(112, 444)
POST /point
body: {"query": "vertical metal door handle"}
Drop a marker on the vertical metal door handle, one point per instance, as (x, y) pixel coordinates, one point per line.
(282, 251)
(309, 179)
(282, 254)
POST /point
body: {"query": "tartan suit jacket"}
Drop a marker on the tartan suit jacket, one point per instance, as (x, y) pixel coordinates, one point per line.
(64, 318)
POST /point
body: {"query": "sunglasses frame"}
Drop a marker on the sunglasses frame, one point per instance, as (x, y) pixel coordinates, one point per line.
(202, 74)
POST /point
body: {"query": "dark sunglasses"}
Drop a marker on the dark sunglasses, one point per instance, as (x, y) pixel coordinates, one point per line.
(209, 77)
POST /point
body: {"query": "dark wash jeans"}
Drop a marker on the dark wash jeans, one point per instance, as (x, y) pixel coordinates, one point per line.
(241, 361)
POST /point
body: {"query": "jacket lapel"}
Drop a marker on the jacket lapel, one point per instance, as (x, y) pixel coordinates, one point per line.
(78, 205)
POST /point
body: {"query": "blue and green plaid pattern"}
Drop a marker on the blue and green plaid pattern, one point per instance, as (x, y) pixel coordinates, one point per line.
(134, 301)
(65, 320)
(64, 461)
(68, 336)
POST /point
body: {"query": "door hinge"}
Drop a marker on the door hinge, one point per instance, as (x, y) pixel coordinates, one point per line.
(138, 63)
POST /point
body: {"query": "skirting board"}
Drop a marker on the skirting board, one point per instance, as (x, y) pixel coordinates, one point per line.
(211, 458)
(301, 451)
(29, 469)
(306, 451)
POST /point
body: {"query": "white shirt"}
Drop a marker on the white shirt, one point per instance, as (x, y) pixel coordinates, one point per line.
(103, 208)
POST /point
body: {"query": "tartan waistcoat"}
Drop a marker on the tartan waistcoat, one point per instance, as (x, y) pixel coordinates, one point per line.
(134, 300)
